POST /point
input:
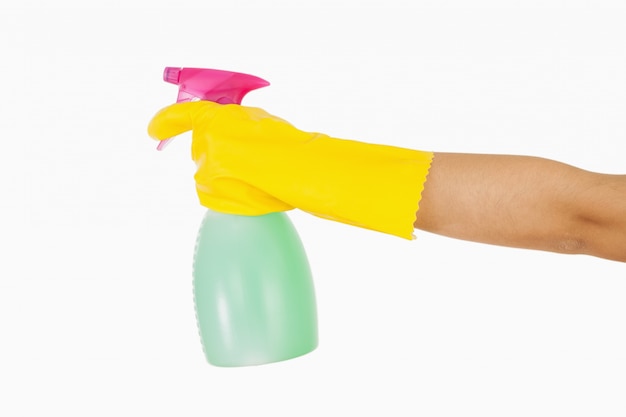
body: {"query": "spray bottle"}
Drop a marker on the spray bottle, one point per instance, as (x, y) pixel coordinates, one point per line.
(253, 290)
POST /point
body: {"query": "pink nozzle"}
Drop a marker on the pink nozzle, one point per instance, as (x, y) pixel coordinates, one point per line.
(224, 87)
(172, 75)
(210, 84)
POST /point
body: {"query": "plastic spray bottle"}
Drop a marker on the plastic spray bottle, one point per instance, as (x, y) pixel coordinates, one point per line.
(253, 290)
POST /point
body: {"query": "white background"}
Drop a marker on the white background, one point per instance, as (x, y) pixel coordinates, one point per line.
(98, 228)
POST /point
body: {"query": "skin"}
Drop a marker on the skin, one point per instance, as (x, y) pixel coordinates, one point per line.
(525, 202)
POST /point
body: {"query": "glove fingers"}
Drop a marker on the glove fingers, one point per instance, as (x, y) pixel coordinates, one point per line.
(179, 118)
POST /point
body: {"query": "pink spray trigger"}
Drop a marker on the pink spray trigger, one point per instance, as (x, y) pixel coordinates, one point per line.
(223, 87)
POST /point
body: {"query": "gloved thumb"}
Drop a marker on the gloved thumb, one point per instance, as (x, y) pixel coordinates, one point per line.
(179, 118)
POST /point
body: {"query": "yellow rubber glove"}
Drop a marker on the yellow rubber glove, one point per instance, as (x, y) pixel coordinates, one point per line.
(252, 163)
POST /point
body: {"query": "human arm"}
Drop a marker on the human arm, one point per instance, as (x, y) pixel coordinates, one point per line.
(252, 163)
(525, 202)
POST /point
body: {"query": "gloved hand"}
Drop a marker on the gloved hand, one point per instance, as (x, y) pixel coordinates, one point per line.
(252, 163)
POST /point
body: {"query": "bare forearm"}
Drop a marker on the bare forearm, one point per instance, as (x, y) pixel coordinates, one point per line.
(525, 202)
(605, 217)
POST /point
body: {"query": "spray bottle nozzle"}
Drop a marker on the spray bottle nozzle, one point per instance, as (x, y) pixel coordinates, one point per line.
(172, 75)
(223, 87)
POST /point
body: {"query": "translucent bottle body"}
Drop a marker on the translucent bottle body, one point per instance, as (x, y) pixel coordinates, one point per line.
(253, 290)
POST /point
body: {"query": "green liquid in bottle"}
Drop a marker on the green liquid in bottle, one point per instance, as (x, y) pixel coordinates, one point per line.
(253, 290)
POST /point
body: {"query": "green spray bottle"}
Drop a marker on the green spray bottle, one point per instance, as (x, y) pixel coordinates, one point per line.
(253, 290)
